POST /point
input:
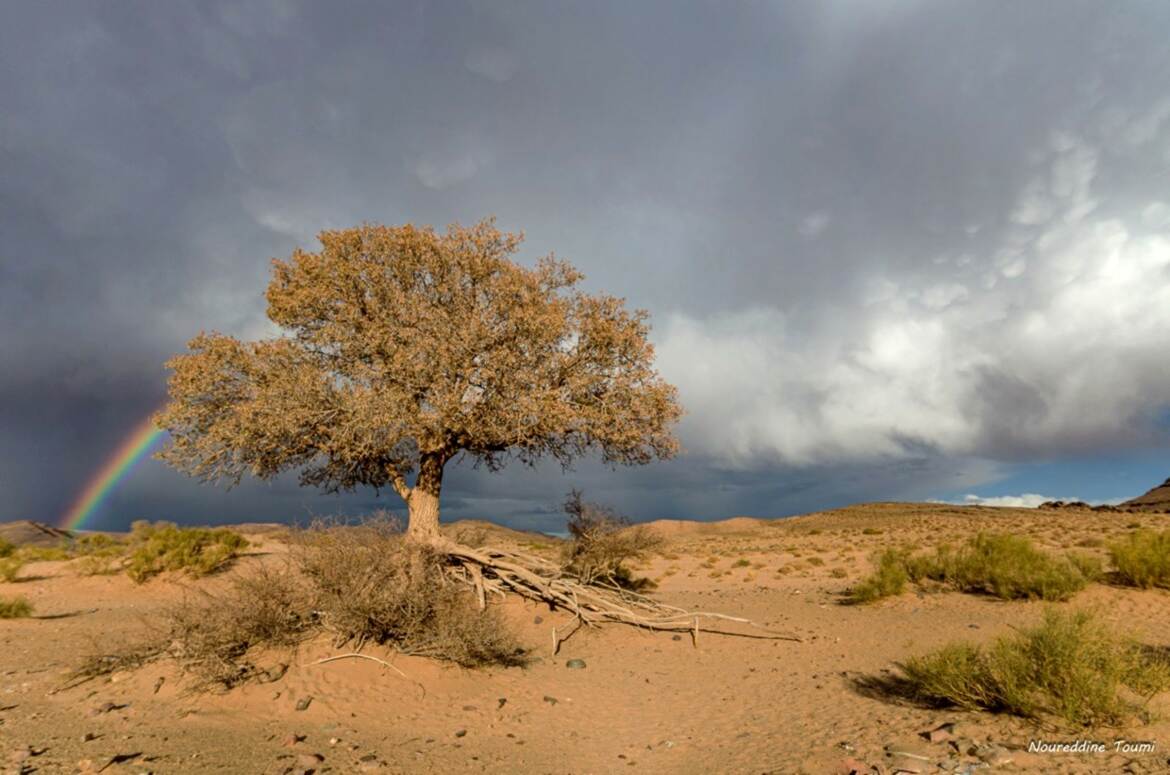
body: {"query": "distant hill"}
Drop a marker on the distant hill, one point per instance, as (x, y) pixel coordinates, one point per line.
(25, 532)
(1157, 499)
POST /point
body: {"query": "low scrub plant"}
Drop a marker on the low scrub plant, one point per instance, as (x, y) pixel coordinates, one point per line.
(603, 543)
(6, 548)
(355, 584)
(10, 568)
(1071, 666)
(15, 608)
(888, 580)
(1006, 566)
(1142, 559)
(158, 547)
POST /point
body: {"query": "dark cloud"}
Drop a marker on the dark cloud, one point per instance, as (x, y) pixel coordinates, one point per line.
(887, 245)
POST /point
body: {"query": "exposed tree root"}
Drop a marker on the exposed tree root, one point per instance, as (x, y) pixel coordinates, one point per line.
(493, 571)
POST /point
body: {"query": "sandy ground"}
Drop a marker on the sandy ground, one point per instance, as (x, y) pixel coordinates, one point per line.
(643, 703)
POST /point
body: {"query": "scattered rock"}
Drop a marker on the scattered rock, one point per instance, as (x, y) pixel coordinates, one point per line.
(460, 733)
(469, 707)
(158, 684)
(538, 620)
(309, 759)
(550, 700)
(293, 739)
(941, 733)
(107, 707)
(676, 637)
(575, 664)
(994, 755)
(502, 702)
(304, 703)
(275, 673)
(851, 766)
(911, 765)
(88, 736)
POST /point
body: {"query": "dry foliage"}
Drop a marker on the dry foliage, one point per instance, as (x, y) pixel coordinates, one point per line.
(1071, 666)
(1142, 559)
(405, 347)
(1006, 566)
(369, 584)
(603, 541)
(15, 608)
(158, 547)
(355, 584)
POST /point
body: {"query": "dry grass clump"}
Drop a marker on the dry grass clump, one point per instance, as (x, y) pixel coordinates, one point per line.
(212, 637)
(164, 546)
(1071, 666)
(7, 548)
(357, 584)
(1006, 566)
(10, 568)
(603, 542)
(887, 580)
(371, 585)
(1142, 559)
(15, 608)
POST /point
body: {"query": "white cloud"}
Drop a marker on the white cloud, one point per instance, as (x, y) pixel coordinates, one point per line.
(1028, 500)
(1069, 353)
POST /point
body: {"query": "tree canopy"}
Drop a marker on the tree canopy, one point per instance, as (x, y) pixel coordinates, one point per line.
(402, 348)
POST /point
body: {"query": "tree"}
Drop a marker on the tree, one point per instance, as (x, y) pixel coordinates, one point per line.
(404, 348)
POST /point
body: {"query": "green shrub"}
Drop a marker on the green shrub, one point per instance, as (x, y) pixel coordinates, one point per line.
(6, 548)
(1006, 566)
(889, 579)
(15, 608)
(10, 568)
(1011, 568)
(99, 554)
(1142, 559)
(163, 546)
(43, 553)
(1070, 666)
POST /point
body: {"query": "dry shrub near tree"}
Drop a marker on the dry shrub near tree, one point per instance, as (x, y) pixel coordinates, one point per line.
(603, 542)
(353, 584)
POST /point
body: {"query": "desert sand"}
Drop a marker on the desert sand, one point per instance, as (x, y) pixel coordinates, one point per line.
(644, 702)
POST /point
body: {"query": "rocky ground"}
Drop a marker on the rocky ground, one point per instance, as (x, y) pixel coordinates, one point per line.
(612, 699)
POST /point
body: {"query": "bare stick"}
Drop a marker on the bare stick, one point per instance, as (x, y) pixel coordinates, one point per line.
(355, 655)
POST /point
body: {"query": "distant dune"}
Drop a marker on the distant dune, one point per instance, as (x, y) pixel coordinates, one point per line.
(25, 532)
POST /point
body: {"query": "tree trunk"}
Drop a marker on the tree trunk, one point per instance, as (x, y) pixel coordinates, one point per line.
(423, 503)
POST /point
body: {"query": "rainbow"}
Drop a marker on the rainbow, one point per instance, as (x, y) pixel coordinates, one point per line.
(132, 449)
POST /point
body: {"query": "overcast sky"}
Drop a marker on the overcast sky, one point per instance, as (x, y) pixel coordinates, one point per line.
(891, 250)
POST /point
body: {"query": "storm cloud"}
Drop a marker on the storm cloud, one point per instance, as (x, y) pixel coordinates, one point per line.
(890, 249)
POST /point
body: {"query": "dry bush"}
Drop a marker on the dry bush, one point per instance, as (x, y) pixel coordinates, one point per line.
(43, 553)
(212, 635)
(10, 568)
(1006, 566)
(603, 542)
(371, 585)
(358, 584)
(6, 548)
(15, 608)
(887, 580)
(1070, 666)
(164, 546)
(1142, 559)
